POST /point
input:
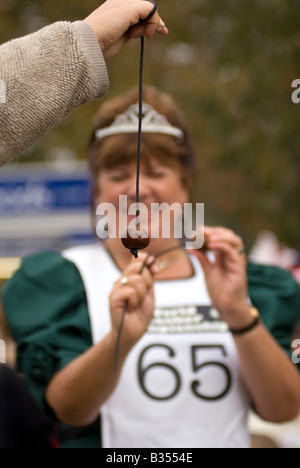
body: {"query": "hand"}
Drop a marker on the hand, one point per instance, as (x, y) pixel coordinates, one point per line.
(226, 275)
(137, 292)
(115, 22)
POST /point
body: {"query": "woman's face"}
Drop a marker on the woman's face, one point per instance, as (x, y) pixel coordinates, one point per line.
(159, 184)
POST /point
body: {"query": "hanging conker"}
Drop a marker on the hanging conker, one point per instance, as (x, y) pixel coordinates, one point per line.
(135, 239)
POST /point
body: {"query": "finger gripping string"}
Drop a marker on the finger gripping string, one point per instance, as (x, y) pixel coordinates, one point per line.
(154, 9)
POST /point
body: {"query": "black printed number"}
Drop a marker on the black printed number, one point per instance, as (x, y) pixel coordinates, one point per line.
(196, 367)
(142, 372)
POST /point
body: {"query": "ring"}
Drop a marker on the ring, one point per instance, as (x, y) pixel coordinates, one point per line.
(124, 280)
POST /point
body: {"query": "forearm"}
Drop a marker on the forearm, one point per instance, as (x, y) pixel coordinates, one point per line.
(45, 76)
(77, 392)
(271, 378)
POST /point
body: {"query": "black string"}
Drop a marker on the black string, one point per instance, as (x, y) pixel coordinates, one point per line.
(119, 334)
(139, 140)
(138, 166)
(139, 132)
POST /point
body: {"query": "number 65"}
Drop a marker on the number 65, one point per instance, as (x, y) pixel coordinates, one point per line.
(142, 372)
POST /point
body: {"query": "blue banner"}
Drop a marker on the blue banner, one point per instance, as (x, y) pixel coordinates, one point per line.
(22, 193)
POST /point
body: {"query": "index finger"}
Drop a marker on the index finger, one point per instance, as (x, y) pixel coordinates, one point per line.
(154, 9)
(138, 265)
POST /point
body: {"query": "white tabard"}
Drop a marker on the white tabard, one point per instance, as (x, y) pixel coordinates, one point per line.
(181, 385)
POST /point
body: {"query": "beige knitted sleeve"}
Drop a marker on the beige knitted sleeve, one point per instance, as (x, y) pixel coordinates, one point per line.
(43, 77)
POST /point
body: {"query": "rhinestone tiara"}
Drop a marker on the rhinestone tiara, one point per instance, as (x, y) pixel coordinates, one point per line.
(152, 122)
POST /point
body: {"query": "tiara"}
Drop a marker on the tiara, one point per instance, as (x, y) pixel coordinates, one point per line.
(152, 122)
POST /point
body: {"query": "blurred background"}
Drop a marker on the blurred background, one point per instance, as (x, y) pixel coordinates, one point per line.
(230, 65)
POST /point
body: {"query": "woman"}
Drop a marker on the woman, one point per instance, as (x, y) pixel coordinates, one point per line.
(193, 356)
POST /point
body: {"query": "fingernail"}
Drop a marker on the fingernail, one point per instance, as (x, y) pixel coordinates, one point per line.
(151, 259)
(161, 28)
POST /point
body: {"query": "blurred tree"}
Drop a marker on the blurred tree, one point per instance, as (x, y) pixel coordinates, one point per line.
(230, 65)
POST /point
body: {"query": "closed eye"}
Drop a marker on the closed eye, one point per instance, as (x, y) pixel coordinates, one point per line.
(157, 174)
(119, 176)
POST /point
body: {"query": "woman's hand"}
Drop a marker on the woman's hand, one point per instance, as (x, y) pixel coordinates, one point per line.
(136, 290)
(115, 22)
(226, 275)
